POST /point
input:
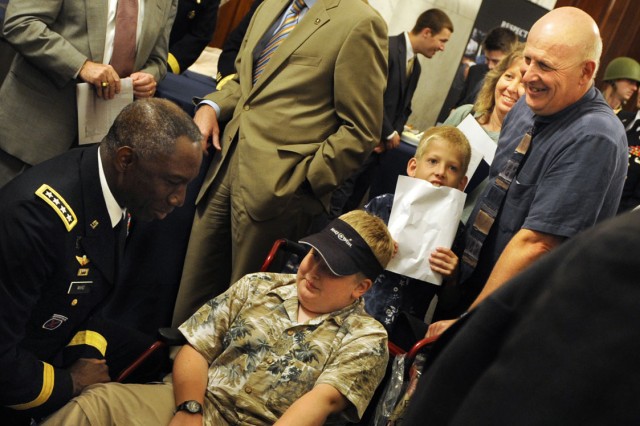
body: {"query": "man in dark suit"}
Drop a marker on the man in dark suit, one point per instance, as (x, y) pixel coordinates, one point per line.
(431, 32)
(557, 345)
(496, 46)
(63, 225)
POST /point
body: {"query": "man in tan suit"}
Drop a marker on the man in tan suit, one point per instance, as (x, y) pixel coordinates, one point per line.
(310, 119)
(61, 43)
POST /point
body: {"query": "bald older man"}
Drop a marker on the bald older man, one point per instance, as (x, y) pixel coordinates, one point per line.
(573, 172)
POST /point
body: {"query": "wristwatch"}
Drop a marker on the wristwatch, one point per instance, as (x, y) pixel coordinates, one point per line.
(192, 407)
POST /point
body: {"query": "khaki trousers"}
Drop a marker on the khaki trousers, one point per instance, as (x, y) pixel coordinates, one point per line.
(118, 404)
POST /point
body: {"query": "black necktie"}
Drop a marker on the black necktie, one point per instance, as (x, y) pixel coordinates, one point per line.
(120, 235)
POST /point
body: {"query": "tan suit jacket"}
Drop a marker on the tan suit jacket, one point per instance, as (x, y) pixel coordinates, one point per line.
(316, 111)
(38, 117)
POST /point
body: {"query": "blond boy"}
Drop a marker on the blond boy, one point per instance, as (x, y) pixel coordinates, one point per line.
(442, 158)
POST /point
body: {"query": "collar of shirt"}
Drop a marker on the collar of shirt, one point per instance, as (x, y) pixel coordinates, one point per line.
(308, 3)
(267, 36)
(116, 213)
(289, 296)
(112, 5)
(407, 42)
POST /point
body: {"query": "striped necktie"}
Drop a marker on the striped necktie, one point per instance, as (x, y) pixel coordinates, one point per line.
(287, 25)
(124, 41)
(490, 205)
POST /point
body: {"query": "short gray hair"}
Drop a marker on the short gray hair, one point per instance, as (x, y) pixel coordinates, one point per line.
(150, 127)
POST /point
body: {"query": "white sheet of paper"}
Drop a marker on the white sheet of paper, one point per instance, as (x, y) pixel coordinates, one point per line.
(482, 146)
(423, 217)
(96, 115)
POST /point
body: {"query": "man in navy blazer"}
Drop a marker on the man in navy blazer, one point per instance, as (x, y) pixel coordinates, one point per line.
(429, 35)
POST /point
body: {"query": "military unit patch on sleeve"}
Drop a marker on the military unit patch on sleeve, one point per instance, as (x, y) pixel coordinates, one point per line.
(51, 197)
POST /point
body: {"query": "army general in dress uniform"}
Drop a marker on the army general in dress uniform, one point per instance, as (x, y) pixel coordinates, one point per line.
(191, 32)
(63, 225)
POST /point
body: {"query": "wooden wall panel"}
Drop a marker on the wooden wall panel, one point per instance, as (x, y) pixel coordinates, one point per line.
(229, 15)
(618, 23)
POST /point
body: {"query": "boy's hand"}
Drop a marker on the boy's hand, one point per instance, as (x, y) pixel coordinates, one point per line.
(439, 327)
(443, 261)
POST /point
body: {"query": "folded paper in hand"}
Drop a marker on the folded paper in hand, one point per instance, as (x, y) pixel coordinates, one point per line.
(423, 217)
(96, 115)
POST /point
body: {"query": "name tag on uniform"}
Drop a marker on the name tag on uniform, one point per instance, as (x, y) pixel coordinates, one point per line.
(79, 287)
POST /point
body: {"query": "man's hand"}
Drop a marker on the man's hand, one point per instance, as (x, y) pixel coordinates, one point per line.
(443, 261)
(207, 122)
(88, 371)
(393, 143)
(144, 85)
(380, 148)
(103, 77)
(388, 144)
(439, 327)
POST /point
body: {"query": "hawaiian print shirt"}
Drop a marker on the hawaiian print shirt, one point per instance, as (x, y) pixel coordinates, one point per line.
(261, 359)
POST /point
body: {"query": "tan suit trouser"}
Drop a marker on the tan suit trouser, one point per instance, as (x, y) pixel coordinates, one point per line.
(118, 404)
(226, 243)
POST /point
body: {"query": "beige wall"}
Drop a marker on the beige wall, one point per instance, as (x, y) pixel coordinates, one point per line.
(437, 72)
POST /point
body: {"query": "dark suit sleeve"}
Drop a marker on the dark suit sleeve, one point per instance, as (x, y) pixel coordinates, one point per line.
(26, 260)
(197, 34)
(391, 92)
(399, 90)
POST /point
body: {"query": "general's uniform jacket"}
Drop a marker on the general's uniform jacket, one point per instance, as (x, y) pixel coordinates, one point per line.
(57, 264)
(191, 33)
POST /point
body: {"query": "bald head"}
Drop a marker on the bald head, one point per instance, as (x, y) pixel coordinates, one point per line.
(573, 30)
(561, 59)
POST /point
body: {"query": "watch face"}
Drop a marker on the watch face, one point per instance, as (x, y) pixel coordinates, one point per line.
(193, 407)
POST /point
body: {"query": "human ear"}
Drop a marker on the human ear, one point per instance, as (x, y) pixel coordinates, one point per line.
(362, 287)
(124, 158)
(411, 167)
(588, 70)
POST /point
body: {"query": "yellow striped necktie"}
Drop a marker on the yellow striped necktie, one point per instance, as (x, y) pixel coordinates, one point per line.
(287, 25)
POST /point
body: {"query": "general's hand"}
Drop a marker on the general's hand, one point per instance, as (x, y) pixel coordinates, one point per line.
(182, 418)
(144, 85)
(443, 261)
(88, 371)
(103, 77)
(207, 122)
(439, 327)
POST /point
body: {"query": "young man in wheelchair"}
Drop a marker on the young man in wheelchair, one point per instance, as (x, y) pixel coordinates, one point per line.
(274, 348)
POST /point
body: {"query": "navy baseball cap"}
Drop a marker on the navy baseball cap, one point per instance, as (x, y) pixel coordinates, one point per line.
(344, 251)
